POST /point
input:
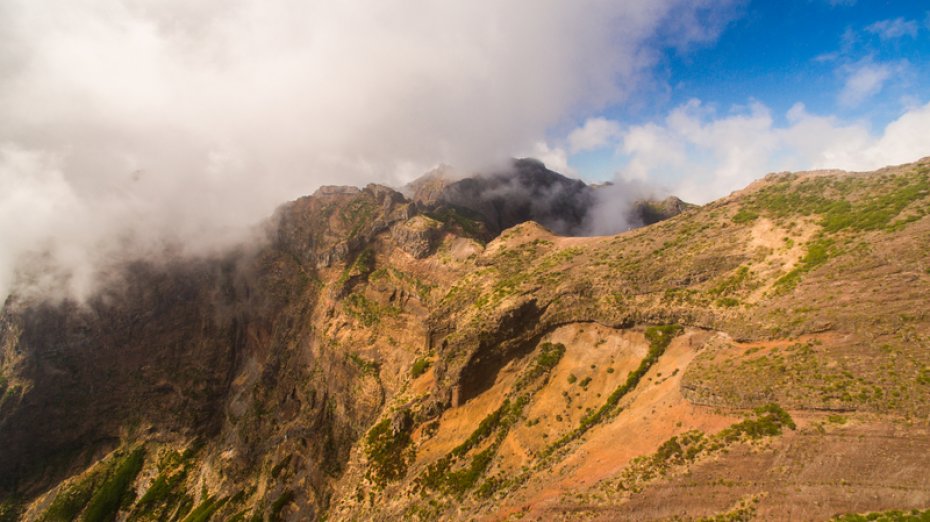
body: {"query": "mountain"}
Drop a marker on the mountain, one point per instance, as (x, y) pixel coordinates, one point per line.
(528, 191)
(381, 357)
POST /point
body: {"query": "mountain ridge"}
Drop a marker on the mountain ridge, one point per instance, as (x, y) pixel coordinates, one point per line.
(376, 359)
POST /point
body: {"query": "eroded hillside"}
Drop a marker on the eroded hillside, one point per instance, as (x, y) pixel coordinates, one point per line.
(764, 356)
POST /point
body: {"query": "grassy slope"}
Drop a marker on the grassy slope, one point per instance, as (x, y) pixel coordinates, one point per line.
(820, 282)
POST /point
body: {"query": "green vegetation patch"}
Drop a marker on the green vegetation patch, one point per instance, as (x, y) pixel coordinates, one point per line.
(366, 311)
(887, 516)
(766, 421)
(510, 266)
(106, 501)
(681, 450)
(549, 356)
(441, 476)
(167, 494)
(357, 214)
(205, 509)
(471, 227)
(100, 492)
(857, 203)
(388, 449)
(421, 287)
(362, 266)
(9, 511)
(71, 499)
(457, 474)
(923, 377)
(366, 366)
(731, 284)
(419, 367)
(819, 252)
(872, 378)
(745, 216)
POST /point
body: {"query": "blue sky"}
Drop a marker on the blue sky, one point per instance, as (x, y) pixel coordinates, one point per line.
(782, 52)
(860, 63)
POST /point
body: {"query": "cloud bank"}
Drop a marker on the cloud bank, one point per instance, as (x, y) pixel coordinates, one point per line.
(129, 125)
(699, 154)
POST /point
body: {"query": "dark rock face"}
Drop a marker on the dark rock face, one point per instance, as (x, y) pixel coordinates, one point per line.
(528, 191)
(159, 352)
(648, 212)
(219, 350)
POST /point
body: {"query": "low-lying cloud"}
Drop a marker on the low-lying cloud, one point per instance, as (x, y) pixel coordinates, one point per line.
(130, 126)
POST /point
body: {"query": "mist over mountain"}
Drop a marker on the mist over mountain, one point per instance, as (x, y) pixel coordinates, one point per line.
(139, 131)
(528, 191)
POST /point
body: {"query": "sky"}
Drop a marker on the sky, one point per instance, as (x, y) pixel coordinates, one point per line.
(844, 68)
(151, 129)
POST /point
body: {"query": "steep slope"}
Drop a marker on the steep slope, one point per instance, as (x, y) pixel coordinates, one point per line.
(767, 355)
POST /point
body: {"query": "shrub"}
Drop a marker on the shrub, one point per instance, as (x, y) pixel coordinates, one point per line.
(419, 367)
(459, 482)
(924, 376)
(387, 450)
(765, 421)
(549, 356)
(745, 216)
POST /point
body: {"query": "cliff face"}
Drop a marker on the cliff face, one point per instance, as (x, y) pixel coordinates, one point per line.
(382, 357)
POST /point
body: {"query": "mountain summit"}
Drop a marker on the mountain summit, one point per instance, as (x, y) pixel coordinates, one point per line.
(528, 191)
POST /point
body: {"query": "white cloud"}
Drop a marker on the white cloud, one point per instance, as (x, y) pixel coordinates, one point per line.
(555, 158)
(705, 156)
(594, 134)
(864, 79)
(896, 28)
(153, 122)
(905, 139)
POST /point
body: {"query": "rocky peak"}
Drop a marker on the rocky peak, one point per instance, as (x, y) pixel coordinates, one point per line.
(527, 191)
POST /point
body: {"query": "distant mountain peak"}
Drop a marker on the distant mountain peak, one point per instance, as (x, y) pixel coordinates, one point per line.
(528, 191)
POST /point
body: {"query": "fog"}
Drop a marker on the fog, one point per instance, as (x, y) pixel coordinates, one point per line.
(134, 128)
